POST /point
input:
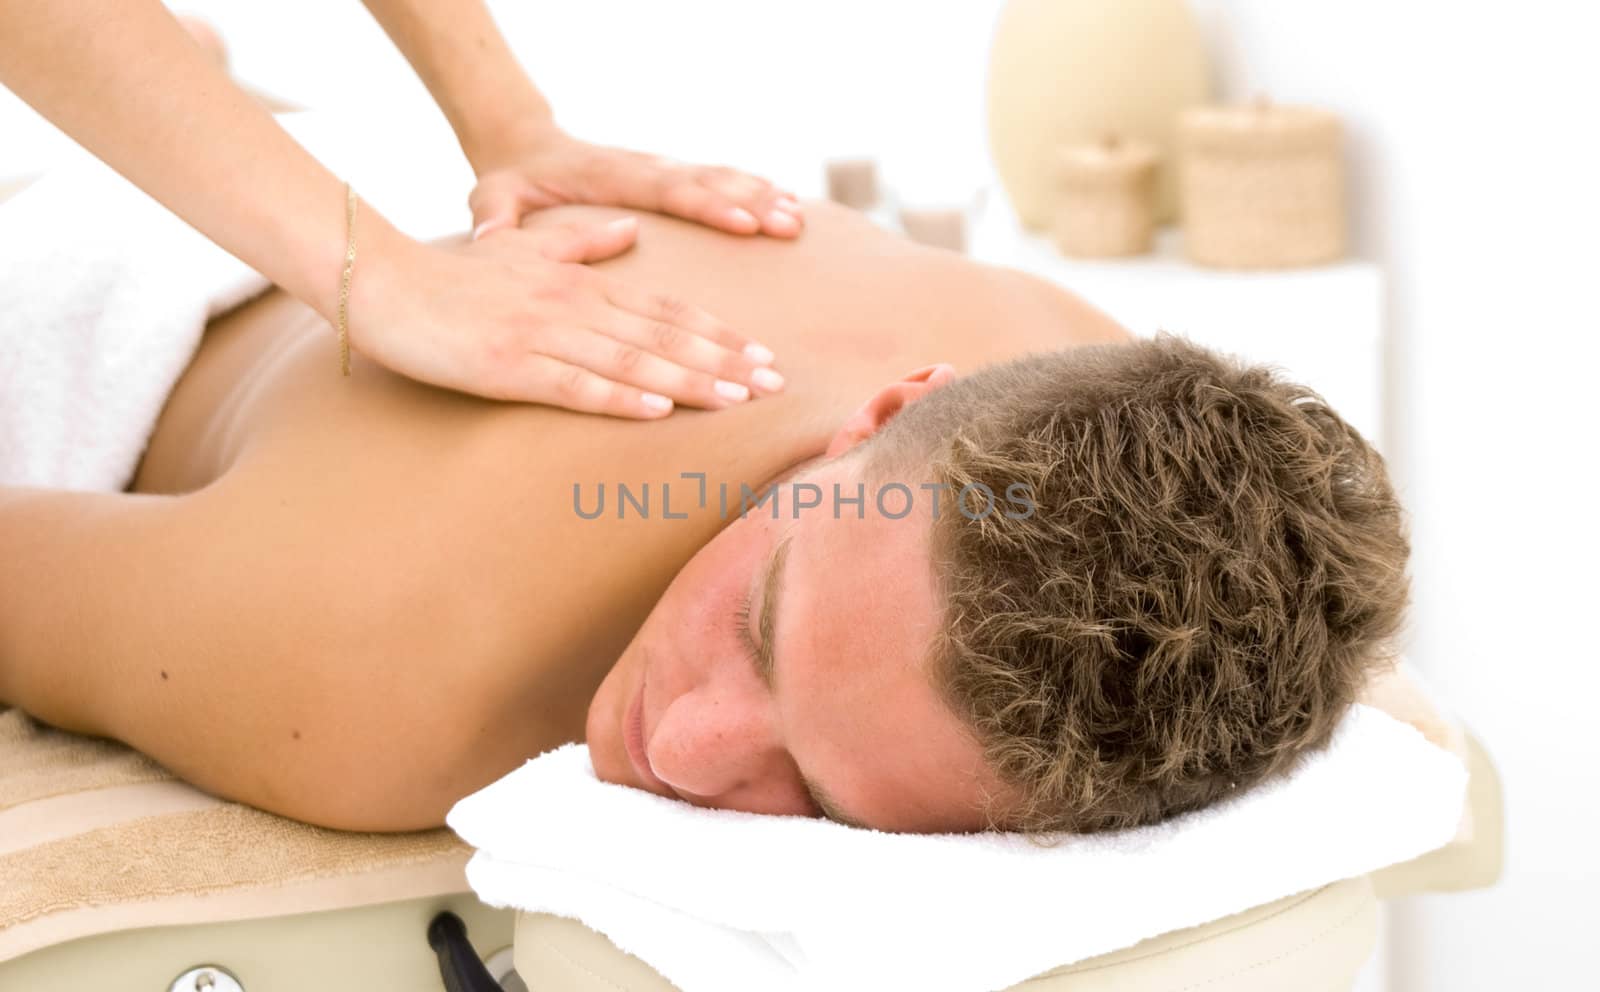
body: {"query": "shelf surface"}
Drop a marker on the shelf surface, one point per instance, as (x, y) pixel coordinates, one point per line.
(1323, 325)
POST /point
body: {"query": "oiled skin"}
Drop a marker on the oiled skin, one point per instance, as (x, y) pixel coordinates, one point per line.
(363, 598)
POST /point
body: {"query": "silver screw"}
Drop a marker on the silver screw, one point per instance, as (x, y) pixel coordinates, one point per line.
(206, 978)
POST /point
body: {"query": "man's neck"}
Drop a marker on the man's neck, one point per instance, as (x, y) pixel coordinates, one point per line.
(791, 472)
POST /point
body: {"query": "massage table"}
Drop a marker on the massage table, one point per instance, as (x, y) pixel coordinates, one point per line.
(115, 876)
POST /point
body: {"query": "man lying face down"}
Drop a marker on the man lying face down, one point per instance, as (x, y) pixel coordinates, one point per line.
(1080, 590)
(1053, 578)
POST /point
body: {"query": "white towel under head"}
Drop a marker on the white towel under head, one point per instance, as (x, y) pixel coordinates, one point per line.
(723, 901)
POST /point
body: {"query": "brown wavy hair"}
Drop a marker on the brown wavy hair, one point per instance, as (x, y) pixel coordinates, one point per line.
(1215, 562)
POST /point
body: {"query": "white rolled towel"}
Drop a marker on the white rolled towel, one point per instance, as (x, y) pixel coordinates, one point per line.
(723, 901)
(105, 294)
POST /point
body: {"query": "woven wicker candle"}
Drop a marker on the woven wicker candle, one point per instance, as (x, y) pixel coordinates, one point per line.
(1107, 203)
(937, 227)
(1262, 186)
(853, 182)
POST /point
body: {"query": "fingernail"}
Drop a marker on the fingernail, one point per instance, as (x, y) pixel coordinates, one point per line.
(759, 354)
(767, 379)
(621, 222)
(656, 402)
(732, 391)
(780, 221)
(488, 227)
(788, 204)
(741, 216)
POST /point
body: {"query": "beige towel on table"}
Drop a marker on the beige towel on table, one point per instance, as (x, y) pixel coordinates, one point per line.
(95, 837)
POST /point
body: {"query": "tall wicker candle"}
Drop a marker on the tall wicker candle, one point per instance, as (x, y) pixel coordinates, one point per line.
(1261, 186)
(1107, 205)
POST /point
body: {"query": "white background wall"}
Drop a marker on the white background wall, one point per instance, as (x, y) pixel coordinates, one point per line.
(759, 82)
(1476, 181)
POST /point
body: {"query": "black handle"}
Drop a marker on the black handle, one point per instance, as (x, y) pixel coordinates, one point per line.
(459, 965)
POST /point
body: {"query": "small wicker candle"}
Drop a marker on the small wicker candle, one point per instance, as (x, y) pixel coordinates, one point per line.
(1108, 198)
(1262, 186)
(853, 182)
(938, 227)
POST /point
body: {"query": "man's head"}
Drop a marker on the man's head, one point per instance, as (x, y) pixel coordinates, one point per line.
(1086, 589)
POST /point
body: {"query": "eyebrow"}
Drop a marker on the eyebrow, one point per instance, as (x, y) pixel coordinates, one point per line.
(766, 597)
(772, 575)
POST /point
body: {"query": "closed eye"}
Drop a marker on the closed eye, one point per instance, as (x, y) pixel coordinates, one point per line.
(819, 799)
(742, 627)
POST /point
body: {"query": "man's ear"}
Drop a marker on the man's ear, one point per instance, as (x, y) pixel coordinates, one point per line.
(886, 402)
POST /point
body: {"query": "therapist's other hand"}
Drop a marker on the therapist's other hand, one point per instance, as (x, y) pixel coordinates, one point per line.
(550, 168)
(517, 316)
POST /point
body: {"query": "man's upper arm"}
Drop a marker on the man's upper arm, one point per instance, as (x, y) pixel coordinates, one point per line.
(73, 567)
(239, 635)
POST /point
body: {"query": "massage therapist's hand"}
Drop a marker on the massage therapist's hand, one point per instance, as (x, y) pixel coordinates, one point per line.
(548, 167)
(516, 315)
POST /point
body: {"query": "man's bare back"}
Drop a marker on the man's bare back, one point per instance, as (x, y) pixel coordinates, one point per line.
(361, 599)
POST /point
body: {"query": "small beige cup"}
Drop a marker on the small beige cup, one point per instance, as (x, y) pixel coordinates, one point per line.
(1108, 198)
(853, 182)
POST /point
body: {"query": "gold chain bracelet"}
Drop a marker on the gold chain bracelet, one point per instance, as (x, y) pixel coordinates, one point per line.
(344, 280)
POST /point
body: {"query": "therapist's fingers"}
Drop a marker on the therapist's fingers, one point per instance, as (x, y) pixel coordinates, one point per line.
(716, 196)
(586, 242)
(692, 369)
(617, 359)
(676, 325)
(777, 210)
(731, 201)
(539, 378)
(498, 202)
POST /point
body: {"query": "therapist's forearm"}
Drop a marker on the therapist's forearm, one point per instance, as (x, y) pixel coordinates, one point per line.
(470, 71)
(124, 79)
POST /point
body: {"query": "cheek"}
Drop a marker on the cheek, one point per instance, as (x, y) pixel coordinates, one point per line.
(697, 622)
(692, 636)
(706, 596)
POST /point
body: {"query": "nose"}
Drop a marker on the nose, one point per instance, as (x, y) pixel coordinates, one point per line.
(723, 754)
